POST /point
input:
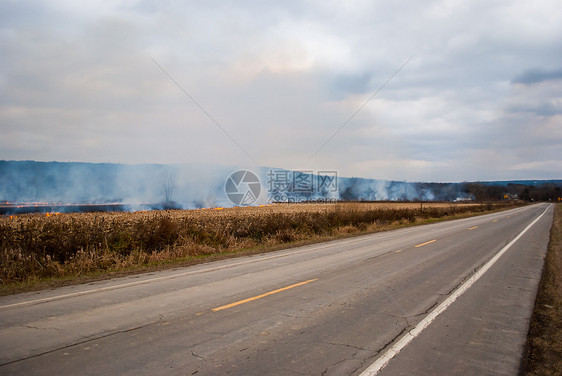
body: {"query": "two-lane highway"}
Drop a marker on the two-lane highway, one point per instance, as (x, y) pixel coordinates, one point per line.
(330, 308)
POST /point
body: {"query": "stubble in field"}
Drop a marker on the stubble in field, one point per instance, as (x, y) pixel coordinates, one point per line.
(38, 246)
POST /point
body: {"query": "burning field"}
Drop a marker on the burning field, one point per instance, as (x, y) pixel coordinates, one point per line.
(52, 247)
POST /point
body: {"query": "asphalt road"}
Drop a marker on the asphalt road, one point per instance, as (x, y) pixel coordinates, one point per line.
(327, 309)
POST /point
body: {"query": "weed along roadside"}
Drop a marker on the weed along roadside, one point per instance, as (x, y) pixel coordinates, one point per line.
(39, 250)
(544, 342)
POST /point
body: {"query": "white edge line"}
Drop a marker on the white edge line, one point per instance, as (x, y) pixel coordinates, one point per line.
(381, 362)
(336, 242)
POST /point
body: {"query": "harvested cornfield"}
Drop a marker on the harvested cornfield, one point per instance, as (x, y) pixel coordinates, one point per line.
(41, 246)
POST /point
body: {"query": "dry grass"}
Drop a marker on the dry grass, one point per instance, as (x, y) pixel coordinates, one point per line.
(545, 332)
(38, 247)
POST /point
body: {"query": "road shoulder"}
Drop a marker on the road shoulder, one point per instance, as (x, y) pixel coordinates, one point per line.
(484, 332)
(544, 343)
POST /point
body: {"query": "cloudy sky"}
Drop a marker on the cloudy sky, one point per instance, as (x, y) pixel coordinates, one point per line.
(475, 90)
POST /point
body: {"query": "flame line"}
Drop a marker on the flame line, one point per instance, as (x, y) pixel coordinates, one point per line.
(360, 108)
(200, 107)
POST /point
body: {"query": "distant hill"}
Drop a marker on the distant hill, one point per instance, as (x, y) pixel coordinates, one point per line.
(101, 183)
(195, 186)
(533, 183)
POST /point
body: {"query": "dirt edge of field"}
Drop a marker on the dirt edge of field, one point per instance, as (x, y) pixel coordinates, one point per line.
(544, 342)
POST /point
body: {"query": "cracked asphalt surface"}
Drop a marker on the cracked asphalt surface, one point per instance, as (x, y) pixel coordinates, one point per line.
(361, 295)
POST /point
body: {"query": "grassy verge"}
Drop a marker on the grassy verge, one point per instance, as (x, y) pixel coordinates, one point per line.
(39, 251)
(544, 356)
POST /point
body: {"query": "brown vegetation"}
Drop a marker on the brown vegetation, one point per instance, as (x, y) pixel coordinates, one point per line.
(545, 333)
(36, 247)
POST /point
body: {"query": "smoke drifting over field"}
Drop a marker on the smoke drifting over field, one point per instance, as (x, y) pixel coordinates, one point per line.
(183, 186)
(190, 186)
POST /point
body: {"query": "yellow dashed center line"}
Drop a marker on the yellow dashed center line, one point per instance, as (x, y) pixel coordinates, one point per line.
(495, 220)
(472, 228)
(398, 251)
(422, 244)
(262, 295)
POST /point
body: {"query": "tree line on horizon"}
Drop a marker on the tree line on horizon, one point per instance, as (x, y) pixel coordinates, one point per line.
(532, 193)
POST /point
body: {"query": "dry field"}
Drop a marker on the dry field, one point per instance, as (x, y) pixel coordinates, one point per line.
(35, 248)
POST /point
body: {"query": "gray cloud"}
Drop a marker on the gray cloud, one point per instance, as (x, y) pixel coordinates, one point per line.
(535, 76)
(347, 84)
(76, 84)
